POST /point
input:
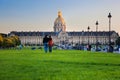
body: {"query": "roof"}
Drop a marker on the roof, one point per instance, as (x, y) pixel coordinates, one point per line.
(80, 33)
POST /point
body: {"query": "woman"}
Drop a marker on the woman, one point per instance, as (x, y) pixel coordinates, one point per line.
(50, 44)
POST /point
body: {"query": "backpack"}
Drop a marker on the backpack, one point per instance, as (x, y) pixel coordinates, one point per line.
(50, 43)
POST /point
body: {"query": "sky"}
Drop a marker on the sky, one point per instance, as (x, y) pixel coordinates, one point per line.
(39, 15)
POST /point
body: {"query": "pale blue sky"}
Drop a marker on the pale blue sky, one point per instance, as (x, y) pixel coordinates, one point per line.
(39, 15)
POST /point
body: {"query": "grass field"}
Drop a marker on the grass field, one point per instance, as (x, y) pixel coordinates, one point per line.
(29, 64)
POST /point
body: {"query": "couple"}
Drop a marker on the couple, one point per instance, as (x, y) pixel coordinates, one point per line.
(48, 43)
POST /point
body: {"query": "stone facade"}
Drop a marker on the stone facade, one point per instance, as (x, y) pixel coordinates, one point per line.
(61, 36)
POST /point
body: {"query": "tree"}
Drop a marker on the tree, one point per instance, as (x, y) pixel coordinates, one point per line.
(11, 41)
(118, 41)
(16, 40)
(1, 40)
(6, 43)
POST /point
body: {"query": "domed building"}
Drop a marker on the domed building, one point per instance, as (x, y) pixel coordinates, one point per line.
(59, 24)
(61, 36)
(60, 29)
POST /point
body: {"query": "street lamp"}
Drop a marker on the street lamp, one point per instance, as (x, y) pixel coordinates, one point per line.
(96, 35)
(109, 16)
(82, 44)
(88, 34)
(72, 41)
(82, 36)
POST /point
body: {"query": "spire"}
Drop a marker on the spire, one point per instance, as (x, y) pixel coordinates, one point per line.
(59, 14)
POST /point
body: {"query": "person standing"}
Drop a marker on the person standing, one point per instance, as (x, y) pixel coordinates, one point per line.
(50, 44)
(45, 43)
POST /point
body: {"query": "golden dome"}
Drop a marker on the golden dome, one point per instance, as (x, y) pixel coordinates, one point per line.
(59, 19)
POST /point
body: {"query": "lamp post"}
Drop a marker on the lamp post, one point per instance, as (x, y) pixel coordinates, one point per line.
(82, 44)
(72, 41)
(88, 38)
(109, 16)
(82, 36)
(88, 34)
(96, 35)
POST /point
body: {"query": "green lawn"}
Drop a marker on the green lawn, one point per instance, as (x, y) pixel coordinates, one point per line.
(29, 64)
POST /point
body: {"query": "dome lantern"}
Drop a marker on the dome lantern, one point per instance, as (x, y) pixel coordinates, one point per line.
(59, 14)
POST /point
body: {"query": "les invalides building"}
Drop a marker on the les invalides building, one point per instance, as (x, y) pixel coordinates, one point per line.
(61, 36)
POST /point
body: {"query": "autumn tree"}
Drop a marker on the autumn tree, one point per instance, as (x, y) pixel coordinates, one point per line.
(1, 40)
(16, 40)
(11, 41)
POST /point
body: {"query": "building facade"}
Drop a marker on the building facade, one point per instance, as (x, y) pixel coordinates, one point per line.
(61, 36)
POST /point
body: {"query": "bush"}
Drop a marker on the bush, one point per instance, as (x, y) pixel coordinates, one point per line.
(7, 42)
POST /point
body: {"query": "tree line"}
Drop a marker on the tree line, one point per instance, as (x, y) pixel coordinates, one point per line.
(10, 41)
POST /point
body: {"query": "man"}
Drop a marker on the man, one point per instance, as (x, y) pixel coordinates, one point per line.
(45, 43)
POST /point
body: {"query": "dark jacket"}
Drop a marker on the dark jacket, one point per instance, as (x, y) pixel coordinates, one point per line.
(45, 39)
